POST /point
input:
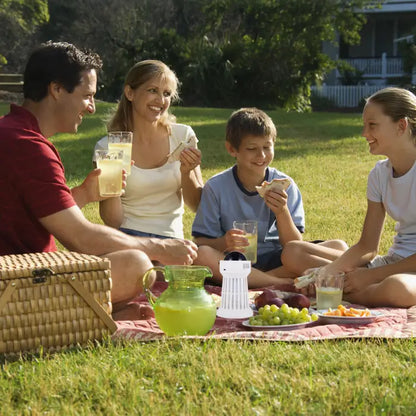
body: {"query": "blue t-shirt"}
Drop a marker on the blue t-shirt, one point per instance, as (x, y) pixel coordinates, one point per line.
(225, 200)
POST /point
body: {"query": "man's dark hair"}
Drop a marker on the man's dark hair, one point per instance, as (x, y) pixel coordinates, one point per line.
(59, 62)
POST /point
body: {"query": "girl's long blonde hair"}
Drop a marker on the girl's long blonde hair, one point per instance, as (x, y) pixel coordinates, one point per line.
(138, 74)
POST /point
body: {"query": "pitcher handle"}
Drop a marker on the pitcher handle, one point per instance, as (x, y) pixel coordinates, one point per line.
(146, 286)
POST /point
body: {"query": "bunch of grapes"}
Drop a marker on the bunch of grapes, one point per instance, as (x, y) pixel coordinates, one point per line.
(285, 315)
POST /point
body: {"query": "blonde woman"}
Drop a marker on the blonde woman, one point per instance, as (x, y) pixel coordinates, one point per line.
(159, 183)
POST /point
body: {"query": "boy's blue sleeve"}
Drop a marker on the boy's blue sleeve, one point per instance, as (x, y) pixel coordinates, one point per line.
(295, 206)
(207, 222)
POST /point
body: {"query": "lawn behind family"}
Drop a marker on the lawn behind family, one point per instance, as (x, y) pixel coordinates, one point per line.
(329, 160)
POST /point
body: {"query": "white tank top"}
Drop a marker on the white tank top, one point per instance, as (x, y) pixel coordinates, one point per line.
(153, 200)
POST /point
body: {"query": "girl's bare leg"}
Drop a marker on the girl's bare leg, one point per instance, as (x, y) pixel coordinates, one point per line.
(397, 291)
(299, 256)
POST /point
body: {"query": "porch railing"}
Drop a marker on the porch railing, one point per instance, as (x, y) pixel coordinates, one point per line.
(378, 67)
(345, 96)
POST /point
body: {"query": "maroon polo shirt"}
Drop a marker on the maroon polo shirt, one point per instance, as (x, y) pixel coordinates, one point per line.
(32, 184)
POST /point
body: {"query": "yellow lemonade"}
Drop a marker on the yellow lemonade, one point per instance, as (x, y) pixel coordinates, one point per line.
(126, 148)
(110, 179)
(328, 297)
(185, 320)
(251, 251)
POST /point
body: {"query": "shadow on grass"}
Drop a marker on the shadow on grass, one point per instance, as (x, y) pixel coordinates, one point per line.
(299, 135)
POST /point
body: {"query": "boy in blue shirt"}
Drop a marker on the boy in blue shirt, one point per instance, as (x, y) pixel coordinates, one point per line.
(231, 195)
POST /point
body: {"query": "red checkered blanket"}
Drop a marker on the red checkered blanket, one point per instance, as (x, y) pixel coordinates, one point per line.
(393, 323)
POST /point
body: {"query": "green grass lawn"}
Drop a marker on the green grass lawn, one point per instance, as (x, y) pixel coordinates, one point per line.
(329, 160)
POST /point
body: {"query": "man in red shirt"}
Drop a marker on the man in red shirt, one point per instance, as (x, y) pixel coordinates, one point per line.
(36, 204)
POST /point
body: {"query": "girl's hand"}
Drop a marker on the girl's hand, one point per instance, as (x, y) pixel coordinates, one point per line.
(235, 240)
(190, 158)
(276, 201)
(357, 280)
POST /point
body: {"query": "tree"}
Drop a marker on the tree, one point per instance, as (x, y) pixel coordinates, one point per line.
(225, 52)
(19, 21)
(273, 47)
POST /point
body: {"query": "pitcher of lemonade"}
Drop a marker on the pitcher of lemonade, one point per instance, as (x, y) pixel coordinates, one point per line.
(185, 307)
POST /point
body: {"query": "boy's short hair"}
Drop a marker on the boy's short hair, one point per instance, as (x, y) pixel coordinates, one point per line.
(59, 62)
(249, 121)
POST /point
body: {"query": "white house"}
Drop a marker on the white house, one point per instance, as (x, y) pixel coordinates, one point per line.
(377, 58)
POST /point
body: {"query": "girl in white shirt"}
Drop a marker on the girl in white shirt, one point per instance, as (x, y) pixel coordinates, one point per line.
(159, 185)
(389, 118)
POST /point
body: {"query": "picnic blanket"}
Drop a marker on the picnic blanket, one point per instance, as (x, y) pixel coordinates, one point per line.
(393, 323)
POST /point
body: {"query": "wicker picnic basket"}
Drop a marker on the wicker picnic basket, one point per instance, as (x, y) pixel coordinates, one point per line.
(53, 300)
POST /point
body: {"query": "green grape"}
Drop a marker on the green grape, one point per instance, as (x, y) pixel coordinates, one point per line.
(294, 312)
(285, 308)
(276, 320)
(285, 315)
(274, 308)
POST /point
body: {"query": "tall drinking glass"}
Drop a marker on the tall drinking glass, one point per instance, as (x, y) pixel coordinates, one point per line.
(111, 164)
(250, 229)
(329, 289)
(122, 140)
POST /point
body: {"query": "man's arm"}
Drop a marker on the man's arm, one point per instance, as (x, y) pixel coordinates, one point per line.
(217, 243)
(76, 233)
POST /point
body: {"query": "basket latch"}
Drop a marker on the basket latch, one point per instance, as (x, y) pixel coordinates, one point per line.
(40, 275)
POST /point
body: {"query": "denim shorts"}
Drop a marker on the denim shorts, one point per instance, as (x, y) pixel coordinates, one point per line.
(137, 233)
(384, 260)
(273, 259)
(269, 261)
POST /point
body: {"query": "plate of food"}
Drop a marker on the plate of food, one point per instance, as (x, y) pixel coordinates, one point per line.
(344, 316)
(289, 327)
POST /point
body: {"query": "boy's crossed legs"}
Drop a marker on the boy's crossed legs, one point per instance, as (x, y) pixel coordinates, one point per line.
(322, 253)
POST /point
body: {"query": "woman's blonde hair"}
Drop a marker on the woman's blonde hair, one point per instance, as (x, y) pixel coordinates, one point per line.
(137, 75)
(397, 103)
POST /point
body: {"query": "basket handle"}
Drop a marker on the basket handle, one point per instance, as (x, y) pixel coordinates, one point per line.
(95, 306)
(7, 294)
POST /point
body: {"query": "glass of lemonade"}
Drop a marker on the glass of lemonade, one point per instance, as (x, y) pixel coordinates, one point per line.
(250, 229)
(329, 288)
(111, 164)
(122, 140)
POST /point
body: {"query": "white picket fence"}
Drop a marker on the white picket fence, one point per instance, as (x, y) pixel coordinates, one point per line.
(345, 95)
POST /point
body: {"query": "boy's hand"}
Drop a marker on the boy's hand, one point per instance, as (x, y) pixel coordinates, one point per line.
(276, 201)
(235, 240)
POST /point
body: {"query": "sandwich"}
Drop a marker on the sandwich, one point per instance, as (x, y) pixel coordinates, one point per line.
(305, 280)
(274, 185)
(189, 142)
